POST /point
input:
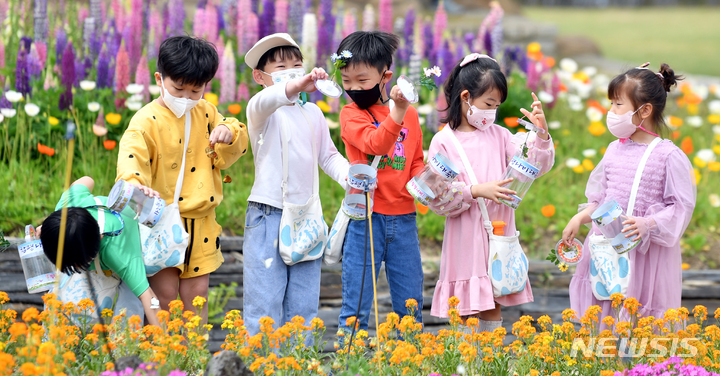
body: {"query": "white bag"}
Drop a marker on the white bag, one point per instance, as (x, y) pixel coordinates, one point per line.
(610, 272)
(507, 263)
(333, 251)
(164, 245)
(303, 231)
(75, 287)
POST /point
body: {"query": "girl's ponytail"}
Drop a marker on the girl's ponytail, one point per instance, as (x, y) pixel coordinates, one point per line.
(669, 79)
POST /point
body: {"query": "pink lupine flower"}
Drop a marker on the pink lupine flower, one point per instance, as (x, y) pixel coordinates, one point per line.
(228, 81)
(142, 77)
(368, 23)
(122, 70)
(349, 23)
(440, 25)
(243, 93)
(386, 17)
(281, 16)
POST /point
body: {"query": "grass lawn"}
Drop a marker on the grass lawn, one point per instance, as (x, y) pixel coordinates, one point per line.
(687, 38)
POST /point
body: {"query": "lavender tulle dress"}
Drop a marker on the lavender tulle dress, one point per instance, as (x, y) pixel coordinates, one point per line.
(666, 197)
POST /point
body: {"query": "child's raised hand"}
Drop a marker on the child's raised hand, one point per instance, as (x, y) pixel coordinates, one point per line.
(493, 190)
(221, 135)
(537, 116)
(306, 83)
(398, 98)
(148, 191)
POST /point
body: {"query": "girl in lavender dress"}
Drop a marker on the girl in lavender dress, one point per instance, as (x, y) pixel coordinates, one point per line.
(665, 198)
(475, 89)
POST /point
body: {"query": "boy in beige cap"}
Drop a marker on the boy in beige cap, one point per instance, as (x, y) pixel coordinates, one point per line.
(270, 287)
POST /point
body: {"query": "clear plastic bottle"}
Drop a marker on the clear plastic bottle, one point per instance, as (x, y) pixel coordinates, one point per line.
(147, 209)
(361, 176)
(523, 174)
(38, 270)
(433, 180)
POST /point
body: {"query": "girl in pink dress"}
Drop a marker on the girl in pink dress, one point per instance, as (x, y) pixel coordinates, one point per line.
(665, 198)
(475, 89)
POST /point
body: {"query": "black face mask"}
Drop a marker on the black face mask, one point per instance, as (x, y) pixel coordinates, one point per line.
(366, 98)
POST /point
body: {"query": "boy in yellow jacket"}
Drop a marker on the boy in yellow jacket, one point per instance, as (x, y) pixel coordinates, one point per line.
(151, 155)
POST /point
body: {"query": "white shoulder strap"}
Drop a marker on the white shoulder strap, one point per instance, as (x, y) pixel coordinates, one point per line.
(376, 161)
(181, 175)
(101, 226)
(473, 178)
(638, 175)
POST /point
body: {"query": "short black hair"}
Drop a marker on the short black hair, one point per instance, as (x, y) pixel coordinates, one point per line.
(477, 77)
(374, 48)
(82, 239)
(188, 60)
(279, 53)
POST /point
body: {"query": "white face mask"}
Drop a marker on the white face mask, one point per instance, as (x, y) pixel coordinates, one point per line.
(285, 75)
(480, 119)
(178, 106)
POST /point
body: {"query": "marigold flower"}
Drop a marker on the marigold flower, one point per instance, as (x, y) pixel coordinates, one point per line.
(53, 120)
(511, 122)
(548, 211)
(596, 128)
(113, 118)
(687, 145)
(234, 108)
(422, 209)
(4, 297)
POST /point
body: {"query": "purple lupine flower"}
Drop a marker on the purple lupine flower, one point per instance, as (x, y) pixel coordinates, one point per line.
(22, 72)
(26, 43)
(440, 24)
(281, 16)
(104, 78)
(80, 72)
(243, 13)
(368, 23)
(496, 34)
(427, 36)
(469, 41)
(176, 17)
(252, 30)
(296, 11)
(409, 31)
(267, 19)
(492, 19)
(134, 46)
(385, 16)
(68, 77)
(220, 19)
(60, 43)
(228, 81)
(40, 20)
(83, 13)
(199, 21)
(88, 33)
(255, 6)
(33, 62)
(4, 102)
(326, 30)
(142, 77)
(447, 56)
(114, 39)
(96, 12)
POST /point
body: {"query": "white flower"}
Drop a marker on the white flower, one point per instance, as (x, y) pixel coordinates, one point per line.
(87, 85)
(422, 120)
(346, 54)
(605, 102)
(334, 57)
(714, 200)
(13, 96)
(461, 369)
(593, 114)
(572, 162)
(554, 124)
(694, 121)
(576, 106)
(8, 112)
(706, 155)
(432, 71)
(589, 153)
(154, 90)
(589, 70)
(133, 106)
(714, 107)
(584, 90)
(425, 109)
(568, 65)
(572, 99)
(32, 109)
(702, 91)
(545, 97)
(716, 129)
(134, 89)
(135, 98)
(94, 106)
(331, 124)
(2, 118)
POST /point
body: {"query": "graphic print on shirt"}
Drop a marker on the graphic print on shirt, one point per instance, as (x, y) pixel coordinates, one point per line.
(397, 160)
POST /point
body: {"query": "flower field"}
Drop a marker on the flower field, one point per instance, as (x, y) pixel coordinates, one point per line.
(92, 69)
(47, 343)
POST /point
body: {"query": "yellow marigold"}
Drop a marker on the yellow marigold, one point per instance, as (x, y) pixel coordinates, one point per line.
(18, 329)
(631, 305)
(617, 299)
(472, 322)
(453, 301)
(411, 304)
(609, 321)
(30, 314)
(579, 169)
(700, 312)
(176, 305)
(53, 120)
(113, 118)
(588, 164)
(107, 312)
(4, 297)
(714, 166)
(324, 107)
(212, 98)
(596, 128)
(316, 323)
(699, 162)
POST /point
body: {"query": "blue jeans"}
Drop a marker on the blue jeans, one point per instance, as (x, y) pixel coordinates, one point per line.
(270, 287)
(396, 243)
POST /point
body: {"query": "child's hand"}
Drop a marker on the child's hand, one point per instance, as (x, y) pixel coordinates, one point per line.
(221, 135)
(148, 191)
(537, 117)
(493, 190)
(399, 99)
(636, 226)
(570, 231)
(306, 83)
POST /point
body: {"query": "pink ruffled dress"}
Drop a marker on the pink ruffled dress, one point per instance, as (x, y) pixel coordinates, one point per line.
(463, 264)
(665, 201)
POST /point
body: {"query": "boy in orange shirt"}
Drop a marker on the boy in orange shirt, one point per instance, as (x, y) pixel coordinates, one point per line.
(371, 127)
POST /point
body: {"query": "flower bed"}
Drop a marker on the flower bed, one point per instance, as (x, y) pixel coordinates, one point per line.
(48, 343)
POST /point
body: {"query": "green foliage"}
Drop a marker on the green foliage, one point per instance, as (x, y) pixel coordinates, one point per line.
(218, 298)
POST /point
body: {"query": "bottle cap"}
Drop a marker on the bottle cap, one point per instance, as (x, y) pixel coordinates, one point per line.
(498, 227)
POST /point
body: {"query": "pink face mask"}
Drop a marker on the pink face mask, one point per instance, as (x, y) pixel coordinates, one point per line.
(480, 119)
(622, 127)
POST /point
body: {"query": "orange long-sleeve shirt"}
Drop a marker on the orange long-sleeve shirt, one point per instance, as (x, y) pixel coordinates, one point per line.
(399, 144)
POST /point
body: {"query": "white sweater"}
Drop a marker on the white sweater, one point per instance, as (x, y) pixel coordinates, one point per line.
(264, 122)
